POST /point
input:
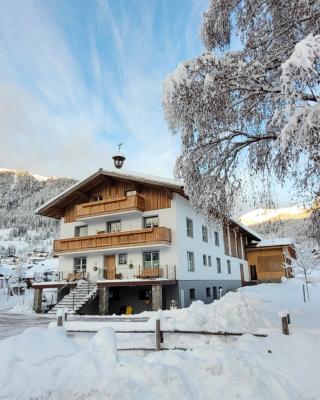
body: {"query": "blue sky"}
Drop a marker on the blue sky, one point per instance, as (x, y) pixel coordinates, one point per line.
(79, 76)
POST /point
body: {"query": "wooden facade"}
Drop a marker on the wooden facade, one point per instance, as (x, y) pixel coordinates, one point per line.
(147, 236)
(102, 207)
(266, 264)
(114, 199)
(234, 241)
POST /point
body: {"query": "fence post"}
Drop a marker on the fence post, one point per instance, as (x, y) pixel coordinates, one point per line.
(59, 320)
(73, 301)
(66, 315)
(288, 319)
(304, 293)
(285, 327)
(158, 335)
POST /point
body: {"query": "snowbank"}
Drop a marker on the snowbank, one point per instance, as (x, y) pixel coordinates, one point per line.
(44, 363)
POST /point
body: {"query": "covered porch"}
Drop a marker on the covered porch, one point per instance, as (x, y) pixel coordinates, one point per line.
(115, 297)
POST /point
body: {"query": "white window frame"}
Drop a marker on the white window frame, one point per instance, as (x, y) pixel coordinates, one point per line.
(190, 261)
(204, 233)
(218, 261)
(204, 260)
(109, 223)
(125, 255)
(78, 231)
(82, 264)
(153, 224)
(229, 266)
(189, 228)
(216, 238)
(153, 263)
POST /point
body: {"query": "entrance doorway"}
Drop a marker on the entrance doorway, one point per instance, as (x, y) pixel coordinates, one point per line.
(110, 267)
(253, 272)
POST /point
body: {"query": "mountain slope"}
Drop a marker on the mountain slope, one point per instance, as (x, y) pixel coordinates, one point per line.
(21, 193)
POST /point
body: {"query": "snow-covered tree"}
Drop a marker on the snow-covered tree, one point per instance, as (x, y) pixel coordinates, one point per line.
(250, 112)
(304, 263)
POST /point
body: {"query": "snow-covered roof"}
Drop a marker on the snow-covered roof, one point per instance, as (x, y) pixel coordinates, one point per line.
(249, 230)
(5, 271)
(274, 242)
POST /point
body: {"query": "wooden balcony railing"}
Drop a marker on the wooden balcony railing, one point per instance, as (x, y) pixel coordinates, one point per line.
(157, 235)
(101, 207)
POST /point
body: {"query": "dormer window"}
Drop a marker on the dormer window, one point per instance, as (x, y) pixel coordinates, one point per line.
(131, 193)
(98, 197)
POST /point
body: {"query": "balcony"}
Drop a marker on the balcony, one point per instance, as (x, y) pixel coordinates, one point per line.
(106, 207)
(105, 241)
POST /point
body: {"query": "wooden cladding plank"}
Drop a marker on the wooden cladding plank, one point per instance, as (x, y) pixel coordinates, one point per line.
(118, 239)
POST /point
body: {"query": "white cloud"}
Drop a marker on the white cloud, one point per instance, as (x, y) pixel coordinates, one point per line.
(52, 122)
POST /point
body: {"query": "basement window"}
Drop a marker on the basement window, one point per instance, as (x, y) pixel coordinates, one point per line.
(208, 292)
(192, 294)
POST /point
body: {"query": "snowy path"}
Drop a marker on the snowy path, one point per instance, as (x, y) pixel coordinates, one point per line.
(12, 324)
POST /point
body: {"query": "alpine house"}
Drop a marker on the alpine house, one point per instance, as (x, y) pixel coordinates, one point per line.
(136, 244)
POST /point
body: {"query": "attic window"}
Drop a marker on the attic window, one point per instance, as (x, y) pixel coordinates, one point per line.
(98, 197)
(131, 193)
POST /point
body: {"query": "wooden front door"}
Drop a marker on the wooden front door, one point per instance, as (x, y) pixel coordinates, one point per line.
(110, 267)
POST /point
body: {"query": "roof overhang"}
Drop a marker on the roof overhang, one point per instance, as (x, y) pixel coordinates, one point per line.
(54, 207)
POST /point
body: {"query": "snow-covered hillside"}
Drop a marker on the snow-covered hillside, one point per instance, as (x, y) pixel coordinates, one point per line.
(261, 215)
(21, 193)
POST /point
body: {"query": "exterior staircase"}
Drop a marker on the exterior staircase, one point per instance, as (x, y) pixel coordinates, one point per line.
(78, 297)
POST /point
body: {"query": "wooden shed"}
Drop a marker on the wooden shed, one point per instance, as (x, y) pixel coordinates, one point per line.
(270, 260)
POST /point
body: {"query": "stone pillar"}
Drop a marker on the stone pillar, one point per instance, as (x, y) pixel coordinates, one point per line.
(37, 300)
(156, 297)
(103, 300)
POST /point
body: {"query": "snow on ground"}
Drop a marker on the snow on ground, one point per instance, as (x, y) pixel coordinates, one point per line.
(47, 364)
(16, 304)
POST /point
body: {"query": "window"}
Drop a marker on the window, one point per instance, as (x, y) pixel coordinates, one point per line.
(216, 238)
(150, 222)
(80, 263)
(151, 259)
(192, 294)
(131, 193)
(98, 197)
(209, 261)
(218, 265)
(81, 231)
(204, 234)
(229, 266)
(190, 259)
(204, 260)
(215, 293)
(189, 227)
(113, 226)
(122, 258)
(208, 292)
